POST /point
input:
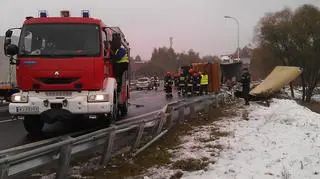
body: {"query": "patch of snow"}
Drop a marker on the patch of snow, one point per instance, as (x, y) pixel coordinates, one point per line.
(280, 141)
(160, 173)
(283, 138)
(191, 145)
(316, 98)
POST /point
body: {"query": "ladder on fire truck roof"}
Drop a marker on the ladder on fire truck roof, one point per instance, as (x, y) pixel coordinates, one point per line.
(123, 38)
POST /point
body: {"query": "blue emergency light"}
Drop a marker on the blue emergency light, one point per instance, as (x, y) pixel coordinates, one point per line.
(85, 13)
(43, 13)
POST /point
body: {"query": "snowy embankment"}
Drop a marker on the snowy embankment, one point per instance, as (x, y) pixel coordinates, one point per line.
(280, 141)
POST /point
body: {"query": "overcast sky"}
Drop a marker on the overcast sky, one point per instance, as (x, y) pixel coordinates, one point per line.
(196, 24)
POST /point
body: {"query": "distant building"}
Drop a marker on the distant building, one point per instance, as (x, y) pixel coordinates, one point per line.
(230, 68)
(245, 56)
(225, 59)
(246, 62)
(135, 66)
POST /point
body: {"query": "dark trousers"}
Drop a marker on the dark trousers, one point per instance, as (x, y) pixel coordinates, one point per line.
(246, 96)
(189, 88)
(203, 89)
(181, 88)
(119, 69)
(196, 88)
(168, 88)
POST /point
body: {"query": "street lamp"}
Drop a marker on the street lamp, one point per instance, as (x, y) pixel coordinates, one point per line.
(229, 17)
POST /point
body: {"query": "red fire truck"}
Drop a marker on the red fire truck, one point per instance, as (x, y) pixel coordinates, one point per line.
(64, 71)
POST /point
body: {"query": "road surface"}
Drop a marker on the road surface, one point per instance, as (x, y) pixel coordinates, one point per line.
(13, 133)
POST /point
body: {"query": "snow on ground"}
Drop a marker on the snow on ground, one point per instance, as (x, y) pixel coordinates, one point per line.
(316, 98)
(280, 141)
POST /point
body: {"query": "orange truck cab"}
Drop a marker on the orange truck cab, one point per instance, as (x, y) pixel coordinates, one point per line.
(63, 69)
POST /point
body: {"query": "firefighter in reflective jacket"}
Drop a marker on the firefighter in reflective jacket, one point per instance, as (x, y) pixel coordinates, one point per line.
(119, 58)
(182, 84)
(204, 83)
(190, 83)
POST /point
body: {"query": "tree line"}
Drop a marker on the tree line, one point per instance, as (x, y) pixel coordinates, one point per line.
(287, 37)
(290, 38)
(165, 59)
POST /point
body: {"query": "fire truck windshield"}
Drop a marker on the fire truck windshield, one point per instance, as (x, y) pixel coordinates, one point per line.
(59, 40)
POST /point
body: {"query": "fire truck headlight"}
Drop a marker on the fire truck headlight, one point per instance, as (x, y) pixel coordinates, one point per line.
(98, 98)
(19, 98)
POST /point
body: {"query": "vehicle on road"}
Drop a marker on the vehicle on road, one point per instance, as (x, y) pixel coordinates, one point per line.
(133, 84)
(144, 83)
(155, 81)
(63, 70)
(7, 89)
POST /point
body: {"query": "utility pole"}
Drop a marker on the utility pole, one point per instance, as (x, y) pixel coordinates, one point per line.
(171, 39)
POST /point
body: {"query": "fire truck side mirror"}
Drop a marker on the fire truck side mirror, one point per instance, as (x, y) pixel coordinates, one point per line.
(7, 42)
(11, 49)
(9, 33)
(106, 44)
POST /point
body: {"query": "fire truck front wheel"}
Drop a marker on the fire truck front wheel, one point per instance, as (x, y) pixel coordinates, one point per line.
(33, 124)
(123, 108)
(113, 116)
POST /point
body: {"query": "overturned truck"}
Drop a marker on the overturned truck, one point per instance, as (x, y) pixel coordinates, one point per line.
(214, 74)
(277, 79)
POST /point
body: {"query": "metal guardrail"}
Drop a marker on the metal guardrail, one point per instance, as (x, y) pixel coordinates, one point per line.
(152, 126)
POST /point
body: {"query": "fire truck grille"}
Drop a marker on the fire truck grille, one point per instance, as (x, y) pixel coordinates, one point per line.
(58, 93)
(52, 81)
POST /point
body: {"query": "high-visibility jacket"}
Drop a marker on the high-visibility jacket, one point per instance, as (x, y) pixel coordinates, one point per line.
(121, 56)
(204, 80)
(182, 80)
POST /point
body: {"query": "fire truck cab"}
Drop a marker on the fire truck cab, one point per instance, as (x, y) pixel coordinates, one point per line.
(63, 69)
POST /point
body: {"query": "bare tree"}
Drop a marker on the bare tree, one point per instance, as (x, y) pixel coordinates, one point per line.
(292, 39)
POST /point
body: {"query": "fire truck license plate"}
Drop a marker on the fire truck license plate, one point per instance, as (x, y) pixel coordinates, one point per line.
(28, 109)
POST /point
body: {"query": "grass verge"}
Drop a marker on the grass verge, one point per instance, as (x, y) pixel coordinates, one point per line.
(124, 166)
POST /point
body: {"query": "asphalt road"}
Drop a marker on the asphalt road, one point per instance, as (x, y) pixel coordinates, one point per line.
(13, 133)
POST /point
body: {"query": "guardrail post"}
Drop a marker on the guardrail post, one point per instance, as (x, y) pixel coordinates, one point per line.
(155, 126)
(216, 98)
(163, 118)
(139, 136)
(206, 109)
(211, 102)
(192, 113)
(4, 170)
(181, 114)
(223, 99)
(108, 145)
(64, 160)
(171, 118)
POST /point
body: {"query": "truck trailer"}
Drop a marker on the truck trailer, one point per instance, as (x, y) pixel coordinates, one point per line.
(64, 71)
